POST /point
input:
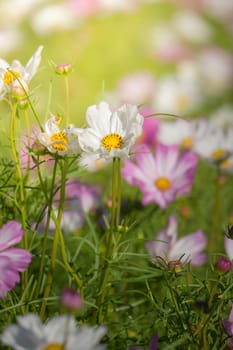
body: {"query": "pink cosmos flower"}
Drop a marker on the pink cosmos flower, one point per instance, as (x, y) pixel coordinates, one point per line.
(162, 175)
(12, 260)
(186, 249)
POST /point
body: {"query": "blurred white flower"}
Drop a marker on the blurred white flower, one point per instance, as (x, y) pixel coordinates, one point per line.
(191, 27)
(10, 39)
(216, 69)
(185, 133)
(166, 44)
(15, 11)
(220, 9)
(223, 117)
(116, 5)
(92, 162)
(176, 94)
(216, 146)
(53, 19)
(16, 75)
(136, 88)
(60, 332)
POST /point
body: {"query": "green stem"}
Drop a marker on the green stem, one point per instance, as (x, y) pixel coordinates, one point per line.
(67, 100)
(118, 210)
(49, 200)
(214, 235)
(21, 185)
(99, 314)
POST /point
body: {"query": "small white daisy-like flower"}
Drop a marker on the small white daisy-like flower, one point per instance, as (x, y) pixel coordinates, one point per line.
(17, 76)
(60, 333)
(109, 133)
(57, 140)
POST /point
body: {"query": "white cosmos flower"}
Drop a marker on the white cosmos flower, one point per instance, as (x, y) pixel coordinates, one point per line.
(57, 140)
(58, 334)
(11, 74)
(111, 133)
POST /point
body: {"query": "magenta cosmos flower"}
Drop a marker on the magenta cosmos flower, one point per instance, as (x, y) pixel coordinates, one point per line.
(162, 175)
(186, 249)
(12, 260)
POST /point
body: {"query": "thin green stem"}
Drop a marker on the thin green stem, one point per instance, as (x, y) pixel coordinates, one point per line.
(118, 210)
(99, 314)
(67, 100)
(49, 201)
(21, 184)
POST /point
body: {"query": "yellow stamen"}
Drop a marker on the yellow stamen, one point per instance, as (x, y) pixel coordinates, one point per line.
(187, 143)
(163, 184)
(54, 346)
(10, 76)
(218, 153)
(112, 141)
(63, 141)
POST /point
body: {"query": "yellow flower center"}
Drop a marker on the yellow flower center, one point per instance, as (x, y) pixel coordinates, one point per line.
(218, 153)
(163, 184)
(54, 346)
(10, 76)
(187, 143)
(112, 141)
(63, 141)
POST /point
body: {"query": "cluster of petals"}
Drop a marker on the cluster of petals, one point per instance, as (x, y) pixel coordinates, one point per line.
(58, 333)
(168, 247)
(60, 141)
(110, 133)
(12, 260)
(14, 78)
(161, 175)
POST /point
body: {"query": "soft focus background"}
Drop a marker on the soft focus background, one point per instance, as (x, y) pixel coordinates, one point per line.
(173, 56)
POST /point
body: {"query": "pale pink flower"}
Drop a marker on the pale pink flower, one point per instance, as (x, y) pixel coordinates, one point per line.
(162, 175)
(136, 88)
(186, 249)
(12, 260)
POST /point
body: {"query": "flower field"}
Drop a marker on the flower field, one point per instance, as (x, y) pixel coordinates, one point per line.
(116, 163)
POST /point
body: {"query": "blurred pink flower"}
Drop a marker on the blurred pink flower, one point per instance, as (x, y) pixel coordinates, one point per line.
(150, 128)
(84, 8)
(186, 249)
(12, 260)
(80, 199)
(162, 175)
(136, 88)
(71, 300)
(228, 324)
(31, 146)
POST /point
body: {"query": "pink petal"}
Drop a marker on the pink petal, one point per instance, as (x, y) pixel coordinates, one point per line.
(10, 234)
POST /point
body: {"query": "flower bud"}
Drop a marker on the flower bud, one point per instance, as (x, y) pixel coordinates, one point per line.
(63, 68)
(19, 89)
(223, 265)
(71, 300)
(175, 265)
